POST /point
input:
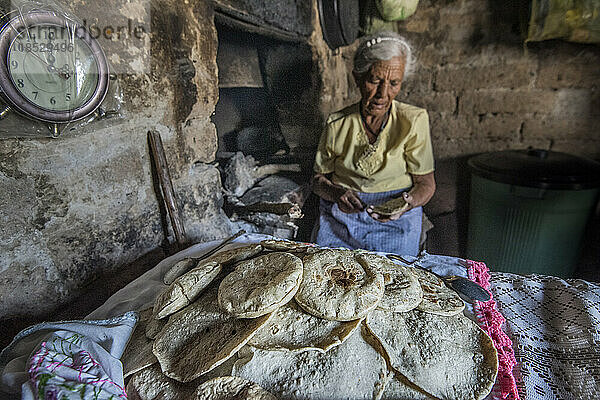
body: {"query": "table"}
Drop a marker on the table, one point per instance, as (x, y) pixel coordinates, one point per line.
(546, 328)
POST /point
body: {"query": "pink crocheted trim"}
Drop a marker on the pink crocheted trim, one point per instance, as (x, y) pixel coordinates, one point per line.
(491, 321)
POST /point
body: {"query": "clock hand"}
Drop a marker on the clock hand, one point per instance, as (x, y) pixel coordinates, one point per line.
(50, 67)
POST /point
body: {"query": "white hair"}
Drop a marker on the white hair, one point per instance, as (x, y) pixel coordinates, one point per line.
(382, 46)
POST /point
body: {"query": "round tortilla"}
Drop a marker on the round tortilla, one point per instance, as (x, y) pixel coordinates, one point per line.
(448, 357)
(154, 326)
(437, 297)
(339, 285)
(151, 384)
(185, 289)
(287, 246)
(200, 337)
(293, 329)
(398, 389)
(391, 207)
(402, 289)
(352, 370)
(225, 258)
(229, 257)
(138, 353)
(232, 388)
(178, 269)
(261, 285)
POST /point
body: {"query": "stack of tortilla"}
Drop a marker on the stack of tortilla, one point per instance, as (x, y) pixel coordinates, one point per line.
(287, 320)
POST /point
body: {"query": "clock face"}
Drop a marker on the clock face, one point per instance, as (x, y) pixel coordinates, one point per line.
(51, 68)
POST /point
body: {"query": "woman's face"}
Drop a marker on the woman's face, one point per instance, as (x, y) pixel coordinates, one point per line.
(380, 85)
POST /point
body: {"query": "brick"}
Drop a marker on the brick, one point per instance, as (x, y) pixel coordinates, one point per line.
(501, 126)
(578, 74)
(513, 75)
(507, 101)
(583, 103)
(445, 125)
(420, 21)
(421, 79)
(433, 101)
(554, 127)
(455, 147)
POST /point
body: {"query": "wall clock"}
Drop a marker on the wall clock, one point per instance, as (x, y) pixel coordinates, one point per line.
(51, 68)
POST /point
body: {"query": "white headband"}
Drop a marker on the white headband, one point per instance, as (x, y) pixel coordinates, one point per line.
(378, 40)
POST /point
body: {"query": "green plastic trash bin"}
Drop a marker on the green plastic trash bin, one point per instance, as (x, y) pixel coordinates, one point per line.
(529, 209)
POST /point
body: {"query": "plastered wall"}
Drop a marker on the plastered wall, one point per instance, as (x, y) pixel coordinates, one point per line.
(83, 206)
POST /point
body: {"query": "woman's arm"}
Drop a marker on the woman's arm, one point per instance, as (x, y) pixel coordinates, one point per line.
(420, 194)
(422, 190)
(346, 199)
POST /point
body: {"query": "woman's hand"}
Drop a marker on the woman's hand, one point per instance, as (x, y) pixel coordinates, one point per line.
(421, 192)
(409, 206)
(347, 200)
(350, 203)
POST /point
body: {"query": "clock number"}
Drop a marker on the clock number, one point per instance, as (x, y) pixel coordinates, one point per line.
(14, 64)
(35, 95)
(52, 100)
(68, 96)
(20, 83)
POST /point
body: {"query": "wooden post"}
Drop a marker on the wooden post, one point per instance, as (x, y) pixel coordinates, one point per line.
(166, 186)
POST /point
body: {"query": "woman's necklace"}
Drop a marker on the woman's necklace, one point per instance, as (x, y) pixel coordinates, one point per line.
(373, 132)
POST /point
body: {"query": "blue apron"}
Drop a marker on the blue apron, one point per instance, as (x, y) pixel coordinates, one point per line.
(360, 231)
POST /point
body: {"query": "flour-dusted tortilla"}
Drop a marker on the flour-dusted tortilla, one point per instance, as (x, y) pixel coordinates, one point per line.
(449, 357)
(261, 285)
(138, 353)
(151, 384)
(339, 285)
(229, 257)
(352, 370)
(287, 246)
(232, 388)
(399, 389)
(402, 289)
(292, 329)
(185, 289)
(154, 326)
(224, 258)
(200, 337)
(391, 207)
(437, 297)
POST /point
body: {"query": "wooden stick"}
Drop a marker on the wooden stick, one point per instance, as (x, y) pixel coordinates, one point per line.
(164, 178)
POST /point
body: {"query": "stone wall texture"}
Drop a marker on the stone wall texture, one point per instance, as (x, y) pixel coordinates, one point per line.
(81, 208)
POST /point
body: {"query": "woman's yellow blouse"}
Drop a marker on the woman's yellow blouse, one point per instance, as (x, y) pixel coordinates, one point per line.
(402, 148)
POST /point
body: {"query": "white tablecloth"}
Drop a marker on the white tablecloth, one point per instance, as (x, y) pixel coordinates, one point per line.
(554, 325)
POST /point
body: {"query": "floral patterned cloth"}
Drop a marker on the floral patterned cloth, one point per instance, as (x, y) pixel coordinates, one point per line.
(63, 368)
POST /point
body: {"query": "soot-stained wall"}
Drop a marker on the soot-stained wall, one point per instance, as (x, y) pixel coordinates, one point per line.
(83, 206)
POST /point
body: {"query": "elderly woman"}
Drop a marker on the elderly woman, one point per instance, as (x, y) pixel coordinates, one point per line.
(372, 152)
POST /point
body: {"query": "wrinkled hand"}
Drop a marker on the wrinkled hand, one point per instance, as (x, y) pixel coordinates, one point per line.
(350, 203)
(409, 200)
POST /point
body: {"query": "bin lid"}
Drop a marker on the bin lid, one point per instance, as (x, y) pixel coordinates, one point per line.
(537, 168)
